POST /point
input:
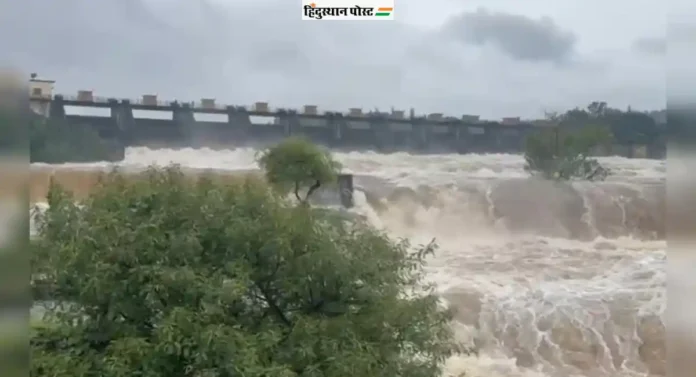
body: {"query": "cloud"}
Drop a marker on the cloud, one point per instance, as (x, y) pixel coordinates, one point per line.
(518, 36)
(490, 62)
(651, 46)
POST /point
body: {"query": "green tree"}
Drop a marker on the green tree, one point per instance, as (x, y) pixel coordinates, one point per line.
(631, 128)
(295, 164)
(564, 154)
(627, 127)
(167, 276)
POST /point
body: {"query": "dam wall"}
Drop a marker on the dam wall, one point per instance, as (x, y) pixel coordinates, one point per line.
(260, 124)
(208, 124)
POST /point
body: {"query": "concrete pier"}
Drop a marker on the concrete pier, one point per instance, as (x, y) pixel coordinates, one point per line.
(345, 189)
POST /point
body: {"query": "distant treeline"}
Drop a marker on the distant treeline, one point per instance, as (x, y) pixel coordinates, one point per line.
(627, 127)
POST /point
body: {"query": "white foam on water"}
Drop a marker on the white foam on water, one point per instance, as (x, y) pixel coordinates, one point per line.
(580, 294)
(399, 167)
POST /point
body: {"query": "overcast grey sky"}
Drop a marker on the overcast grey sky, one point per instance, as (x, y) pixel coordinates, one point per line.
(495, 58)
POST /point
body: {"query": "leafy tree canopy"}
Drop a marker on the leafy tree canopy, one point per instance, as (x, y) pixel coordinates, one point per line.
(562, 154)
(627, 127)
(169, 277)
(295, 164)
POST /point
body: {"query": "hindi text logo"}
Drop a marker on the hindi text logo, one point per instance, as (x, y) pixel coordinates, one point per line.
(334, 10)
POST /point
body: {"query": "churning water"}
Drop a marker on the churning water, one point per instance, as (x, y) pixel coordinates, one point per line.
(547, 279)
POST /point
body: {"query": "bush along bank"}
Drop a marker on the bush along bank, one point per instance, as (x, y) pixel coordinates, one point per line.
(562, 154)
(168, 277)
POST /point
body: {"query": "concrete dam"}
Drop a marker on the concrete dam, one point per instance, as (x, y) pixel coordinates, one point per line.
(206, 123)
(261, 124)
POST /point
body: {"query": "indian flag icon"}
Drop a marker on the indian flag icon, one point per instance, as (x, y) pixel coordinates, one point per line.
(384, 11)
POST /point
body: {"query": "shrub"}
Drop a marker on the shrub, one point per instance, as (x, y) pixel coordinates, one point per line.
(562, 154)
(296, 164)
(168, 277)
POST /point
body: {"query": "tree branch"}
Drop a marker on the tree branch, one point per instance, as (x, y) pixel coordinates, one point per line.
(297, 191)
(592, 174)
(274, 308)
(314, 187)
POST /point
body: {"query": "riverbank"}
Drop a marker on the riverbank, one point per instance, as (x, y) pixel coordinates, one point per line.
(82, 181)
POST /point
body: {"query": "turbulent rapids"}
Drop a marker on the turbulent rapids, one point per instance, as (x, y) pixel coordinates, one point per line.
(547, 279)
